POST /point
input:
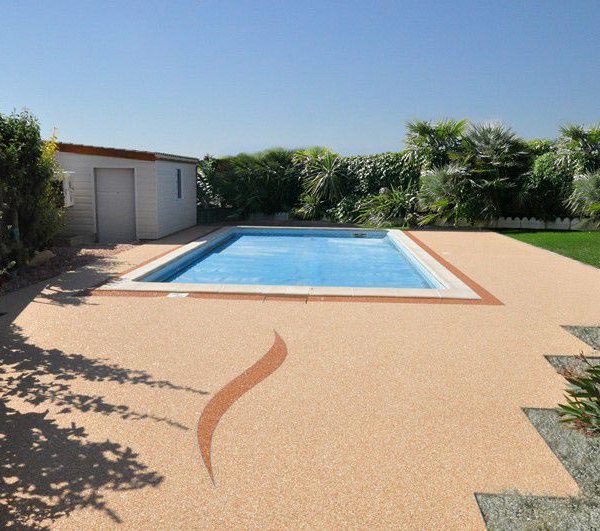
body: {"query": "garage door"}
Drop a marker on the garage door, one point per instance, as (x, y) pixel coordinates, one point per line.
(115, 205)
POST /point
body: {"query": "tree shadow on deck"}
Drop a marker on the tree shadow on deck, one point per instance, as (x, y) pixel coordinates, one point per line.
(49, 466)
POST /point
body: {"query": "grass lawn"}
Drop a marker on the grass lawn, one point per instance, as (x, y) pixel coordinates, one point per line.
(582, 246)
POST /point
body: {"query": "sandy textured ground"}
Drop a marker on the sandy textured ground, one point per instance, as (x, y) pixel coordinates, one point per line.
(381, 415)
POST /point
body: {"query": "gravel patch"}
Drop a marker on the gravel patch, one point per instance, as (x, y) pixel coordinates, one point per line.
(571, 365)
(65, 259)
(588, 334)
(580, 455)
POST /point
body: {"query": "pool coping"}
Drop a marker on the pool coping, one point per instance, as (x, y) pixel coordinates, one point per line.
(458, 287)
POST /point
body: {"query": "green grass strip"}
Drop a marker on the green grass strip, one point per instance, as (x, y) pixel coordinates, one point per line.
(582, 246)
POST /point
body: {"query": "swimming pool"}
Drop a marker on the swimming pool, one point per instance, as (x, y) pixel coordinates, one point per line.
(304, 261)
(301, 258)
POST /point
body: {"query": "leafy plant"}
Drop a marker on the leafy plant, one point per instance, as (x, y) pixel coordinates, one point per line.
(323, 174)
(367, 174)
(579, 148)
(310, 208)
(498, 161)
(266, 182)
(205, 183)
(31, 201)
(582, 409)
(394, 206)
(540, 146)
(433, 144)
(447, 194)
(547, 187)
(491, 148)
(585, 198)
(345, 210)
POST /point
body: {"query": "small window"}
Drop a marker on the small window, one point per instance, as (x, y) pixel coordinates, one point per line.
(178, 183)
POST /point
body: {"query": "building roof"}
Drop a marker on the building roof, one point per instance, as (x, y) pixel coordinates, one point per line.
(82, 149)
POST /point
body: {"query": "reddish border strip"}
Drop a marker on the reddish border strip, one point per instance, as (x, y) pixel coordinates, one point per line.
(235, 389)
(486, 298)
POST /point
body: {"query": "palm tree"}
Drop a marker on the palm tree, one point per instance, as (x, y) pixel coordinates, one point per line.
(498, 160)
(585, 198)
(433, 144)
(323, 174)
(579, 148)
(494, 148)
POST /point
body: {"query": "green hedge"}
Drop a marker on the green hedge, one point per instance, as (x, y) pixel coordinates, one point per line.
(450, 171)
(31, 202)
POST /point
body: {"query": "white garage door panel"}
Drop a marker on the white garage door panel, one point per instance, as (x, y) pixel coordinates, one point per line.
(115, 204)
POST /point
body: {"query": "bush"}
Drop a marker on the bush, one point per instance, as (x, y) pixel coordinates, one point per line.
(367, 174)
(585, 198)
(449, 195)
(265, 182)
(391, 207)
(310, 208)
(579, 149)
(467, 173)
(323, 175)
(497, 160)
(547, 188)
(582, 410)
(345, 211)
(31, 201)
(540, 146)
(432, 145)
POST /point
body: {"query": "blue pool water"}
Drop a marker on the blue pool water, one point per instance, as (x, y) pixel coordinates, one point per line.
(308, 257)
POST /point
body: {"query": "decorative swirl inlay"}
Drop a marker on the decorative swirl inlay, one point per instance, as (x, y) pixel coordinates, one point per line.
(227, 396)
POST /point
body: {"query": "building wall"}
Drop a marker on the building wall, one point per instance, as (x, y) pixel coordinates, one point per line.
(81, 216)
(175, 213)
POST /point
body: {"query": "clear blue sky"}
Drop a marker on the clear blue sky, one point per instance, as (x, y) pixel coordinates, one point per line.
(217, 76)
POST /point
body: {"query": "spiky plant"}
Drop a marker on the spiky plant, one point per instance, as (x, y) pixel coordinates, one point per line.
(391, 206)
(323, 174)
(579, 148)
(498, 160)
(492, 148)
(433, 144)
(310, 208)
(446, 195)
(582, 408)
(585, 198)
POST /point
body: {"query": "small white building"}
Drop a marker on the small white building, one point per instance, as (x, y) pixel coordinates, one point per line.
(119, 195)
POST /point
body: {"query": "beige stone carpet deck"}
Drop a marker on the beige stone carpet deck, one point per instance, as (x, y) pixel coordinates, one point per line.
(381, 415)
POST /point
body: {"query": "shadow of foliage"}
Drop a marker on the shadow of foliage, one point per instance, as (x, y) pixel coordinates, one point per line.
(48, 470)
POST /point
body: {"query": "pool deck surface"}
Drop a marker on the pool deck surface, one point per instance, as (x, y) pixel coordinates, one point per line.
(364, 414)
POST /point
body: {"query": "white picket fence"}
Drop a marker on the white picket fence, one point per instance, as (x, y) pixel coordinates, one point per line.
(534, 223)
(526, 223)
(499, 223)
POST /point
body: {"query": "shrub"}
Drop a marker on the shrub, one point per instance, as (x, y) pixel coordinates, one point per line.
(367, 174)
(497, 160)
(540, 146)
(582, 410)
(585, 198)
(323, 175)
(547, 188)
(433, 144)
(394, 206)
(448, 194)
(310, 208)
(265, 182)
(579, 149)
(31, 201)
(206, 183)
(345, 210)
